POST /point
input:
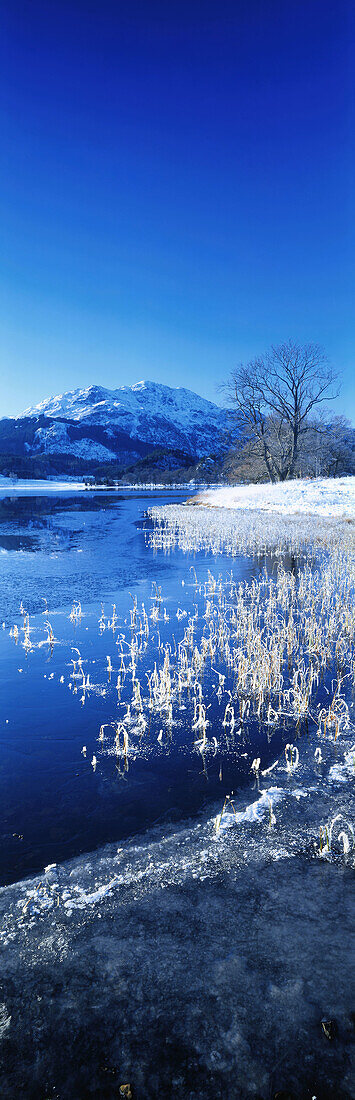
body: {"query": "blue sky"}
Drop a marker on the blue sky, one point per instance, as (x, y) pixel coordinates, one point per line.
(175, 190)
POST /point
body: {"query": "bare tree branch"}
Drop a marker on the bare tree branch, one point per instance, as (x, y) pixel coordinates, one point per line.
(273, 396)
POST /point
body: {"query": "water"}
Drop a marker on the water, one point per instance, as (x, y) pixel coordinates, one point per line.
(53, 804)
(87, 546)
(59, 799)
(213, 953)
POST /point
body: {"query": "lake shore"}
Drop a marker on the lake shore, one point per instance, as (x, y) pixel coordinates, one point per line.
(200, 969)
(205, 956)
(318, 497)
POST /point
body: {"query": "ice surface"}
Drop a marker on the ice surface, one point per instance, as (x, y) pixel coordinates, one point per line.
(255, 812)
(191, 964)
(185, 967)
(340, 773)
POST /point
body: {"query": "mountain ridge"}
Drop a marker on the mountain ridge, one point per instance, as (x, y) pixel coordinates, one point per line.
(150, 412)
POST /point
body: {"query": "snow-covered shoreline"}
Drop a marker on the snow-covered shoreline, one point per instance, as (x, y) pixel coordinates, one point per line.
(11, 487)
(318, 496)
(23, 486)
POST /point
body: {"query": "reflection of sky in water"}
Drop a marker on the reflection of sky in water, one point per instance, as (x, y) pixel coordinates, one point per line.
(83, 547)
(216, 952)
(90, 549)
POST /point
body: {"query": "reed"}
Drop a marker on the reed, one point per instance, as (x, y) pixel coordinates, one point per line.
(263, 649)
(274, 638)
(336, 838)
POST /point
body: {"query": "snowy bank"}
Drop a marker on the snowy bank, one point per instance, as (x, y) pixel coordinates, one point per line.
(319, 496)
(20, 487)
(12, 487)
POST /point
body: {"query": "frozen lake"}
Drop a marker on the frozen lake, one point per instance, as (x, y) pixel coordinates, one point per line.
(55, 552)
(207, 895)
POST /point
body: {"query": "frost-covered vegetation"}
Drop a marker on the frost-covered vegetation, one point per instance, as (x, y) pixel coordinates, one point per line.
(275, 653)
(306, 497)
(232, 926)
(234, 657)
(240, 529)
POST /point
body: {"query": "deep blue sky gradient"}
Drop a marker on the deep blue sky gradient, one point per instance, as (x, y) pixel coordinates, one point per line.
(176, 190)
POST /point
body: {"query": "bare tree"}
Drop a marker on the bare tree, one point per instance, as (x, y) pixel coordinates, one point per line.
(328, 449)
(274, 395)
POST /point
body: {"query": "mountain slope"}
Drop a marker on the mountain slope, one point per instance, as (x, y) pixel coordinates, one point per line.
(147, 411)
(46, 436)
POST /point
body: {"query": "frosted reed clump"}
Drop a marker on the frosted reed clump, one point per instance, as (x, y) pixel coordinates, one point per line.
(262, 647)
(219, 530)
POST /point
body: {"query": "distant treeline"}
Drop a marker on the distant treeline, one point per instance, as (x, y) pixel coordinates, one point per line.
(159, 465)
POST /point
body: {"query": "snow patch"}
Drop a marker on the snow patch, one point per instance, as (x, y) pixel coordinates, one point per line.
(317, 496)
(339, 773)
(56, 440)
(254, 812)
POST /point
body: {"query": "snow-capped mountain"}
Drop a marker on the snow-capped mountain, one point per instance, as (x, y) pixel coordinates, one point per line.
(148, 412)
